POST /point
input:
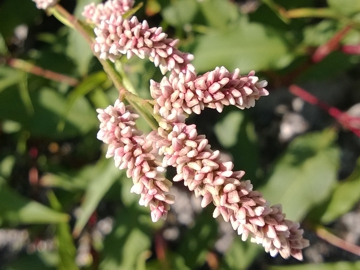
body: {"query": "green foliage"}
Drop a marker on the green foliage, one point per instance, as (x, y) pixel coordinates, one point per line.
(15, 209)
(241, 45)
(56, 184)
(305, 175)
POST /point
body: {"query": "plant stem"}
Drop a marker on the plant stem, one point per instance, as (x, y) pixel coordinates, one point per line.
(320, 13)
(36, 70)
(326, 235)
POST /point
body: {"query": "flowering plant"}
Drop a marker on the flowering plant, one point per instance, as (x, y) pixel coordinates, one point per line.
(174, 143)
(178, 126)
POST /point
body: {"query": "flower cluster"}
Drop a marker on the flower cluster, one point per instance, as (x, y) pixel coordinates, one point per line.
(176, 144)
(188, 93)
(133, 152)
(203, 172)
(45, 4)
(101, 12)
(116, 36)
(179, 145)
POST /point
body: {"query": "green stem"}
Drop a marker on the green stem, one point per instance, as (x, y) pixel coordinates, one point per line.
(320, 13)
(278, 10)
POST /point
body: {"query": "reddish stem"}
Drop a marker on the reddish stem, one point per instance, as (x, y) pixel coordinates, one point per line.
(36, 70)
(337, 241)
(331, 45)
(351, 49)
(347, 121)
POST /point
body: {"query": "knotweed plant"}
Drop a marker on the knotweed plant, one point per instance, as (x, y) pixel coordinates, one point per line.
(180, 93)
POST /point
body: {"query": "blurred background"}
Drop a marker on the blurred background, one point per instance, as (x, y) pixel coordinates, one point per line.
(64, 206)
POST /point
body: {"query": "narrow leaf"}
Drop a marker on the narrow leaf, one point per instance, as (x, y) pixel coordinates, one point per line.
(19, 210)
(64, 240)
(105, 174)
(86, 86)
(346, 195)
(125, 246)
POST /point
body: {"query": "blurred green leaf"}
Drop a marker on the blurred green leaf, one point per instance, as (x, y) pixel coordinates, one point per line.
(125, 246)
(219, 13)
(240, 255)
(247, 46)
(346, 194)
(78, 49)
(24, 94)
(92, 82)
(332, 66)
(323, 266)
(7, 165)
(199, 239)
(180, 12)
(16, 209)
(345, 7)
(99, 98)
(8, 77)
(317, 34)
(3, 48)
(48, 108)
(236, 133)
(103, 177)
(44, 260)
(64, 240)
(227, 129)
(305, 175)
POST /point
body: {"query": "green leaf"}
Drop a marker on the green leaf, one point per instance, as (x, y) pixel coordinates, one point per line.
(128, 244)
(346, 194)
(92, 82)
(305, 175)
(49, 106)
(345, 7)
(44, 260)
(247, 46)
(64, 240)
(24, 94)
(16, 209)
(8, 77)
(7, 165)
(236, 133)
(199, 239)
(240, 255)
(329, 68)
(78, 49)
(180, 12)
(319, 266)
(103, 177)
(320, 33)
(219, 13)
(227, 130)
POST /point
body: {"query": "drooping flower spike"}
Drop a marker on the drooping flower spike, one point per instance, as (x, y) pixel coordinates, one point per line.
(203, 172)
(188, 93)
(117, 36)
(103, 11)
(133, 152)
(177, 144)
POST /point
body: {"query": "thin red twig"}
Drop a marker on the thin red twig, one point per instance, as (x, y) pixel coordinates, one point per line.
(333, 44)
(36, 70)
(337, 241)
(347, 121)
